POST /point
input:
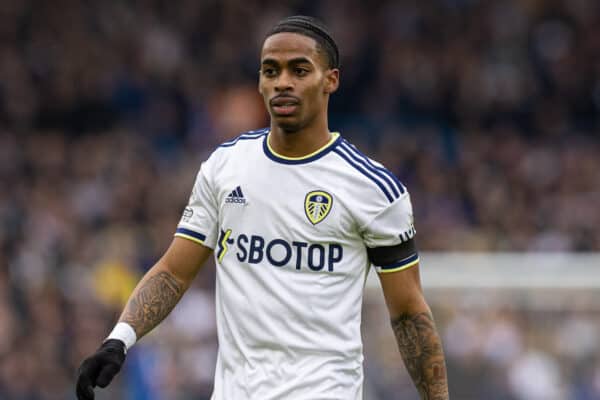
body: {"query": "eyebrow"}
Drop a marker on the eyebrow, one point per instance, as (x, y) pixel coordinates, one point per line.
(293, 61)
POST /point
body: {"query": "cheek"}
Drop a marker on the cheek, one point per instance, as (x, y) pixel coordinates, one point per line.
(263, 84)
(263, 90)
(316, 95)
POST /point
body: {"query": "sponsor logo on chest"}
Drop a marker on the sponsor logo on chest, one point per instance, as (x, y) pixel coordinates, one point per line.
(278, 252)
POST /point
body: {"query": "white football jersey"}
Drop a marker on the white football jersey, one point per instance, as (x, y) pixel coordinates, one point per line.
(290, 238)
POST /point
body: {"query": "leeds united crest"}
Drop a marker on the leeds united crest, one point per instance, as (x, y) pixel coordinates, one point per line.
(317, 205)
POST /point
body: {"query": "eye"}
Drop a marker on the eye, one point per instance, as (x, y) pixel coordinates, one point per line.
(300, 71)
(269, 72)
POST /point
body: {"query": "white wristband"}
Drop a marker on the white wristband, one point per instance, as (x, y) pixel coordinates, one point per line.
(125, 333)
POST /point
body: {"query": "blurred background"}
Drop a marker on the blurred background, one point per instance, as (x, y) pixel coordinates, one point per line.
(487, 110)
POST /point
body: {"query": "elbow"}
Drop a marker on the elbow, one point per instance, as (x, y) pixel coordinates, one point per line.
(408, 306)
(163, 265)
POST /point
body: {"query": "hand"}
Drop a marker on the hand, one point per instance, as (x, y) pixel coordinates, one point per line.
(100, 368)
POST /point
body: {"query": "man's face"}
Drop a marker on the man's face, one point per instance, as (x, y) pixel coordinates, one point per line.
(295, 81)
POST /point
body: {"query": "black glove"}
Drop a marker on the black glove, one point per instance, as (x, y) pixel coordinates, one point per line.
(100, 368)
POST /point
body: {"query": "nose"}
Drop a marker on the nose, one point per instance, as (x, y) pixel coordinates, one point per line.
(284, 82)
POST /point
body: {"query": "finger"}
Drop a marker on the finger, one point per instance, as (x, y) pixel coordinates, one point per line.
(88, 371)
(85, 391)
(107, 374)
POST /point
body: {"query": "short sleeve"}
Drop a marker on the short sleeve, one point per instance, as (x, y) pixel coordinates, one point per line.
(393, 229)
(199, 220)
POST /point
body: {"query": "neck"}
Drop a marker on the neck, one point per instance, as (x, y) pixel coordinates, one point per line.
(299, 143)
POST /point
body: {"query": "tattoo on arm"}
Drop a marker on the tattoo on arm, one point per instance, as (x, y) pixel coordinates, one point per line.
(152, 302)
(421, 350)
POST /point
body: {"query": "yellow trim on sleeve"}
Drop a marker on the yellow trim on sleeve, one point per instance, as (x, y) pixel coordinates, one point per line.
(407, 266)
(188, 237)
(334, 136)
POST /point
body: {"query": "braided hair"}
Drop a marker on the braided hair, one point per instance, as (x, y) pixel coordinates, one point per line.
(313, 28)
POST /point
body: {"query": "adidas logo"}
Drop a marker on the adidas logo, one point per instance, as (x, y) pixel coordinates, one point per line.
(236, 196)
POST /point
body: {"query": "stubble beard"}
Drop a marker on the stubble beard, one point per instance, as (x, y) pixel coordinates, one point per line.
(292, 127)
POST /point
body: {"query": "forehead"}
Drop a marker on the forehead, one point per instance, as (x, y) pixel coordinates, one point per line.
(288, 45)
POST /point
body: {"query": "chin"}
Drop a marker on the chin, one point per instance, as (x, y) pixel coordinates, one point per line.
(288, 126)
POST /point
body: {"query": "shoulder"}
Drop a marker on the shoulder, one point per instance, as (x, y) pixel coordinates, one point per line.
(370, 173)
(232, 148)
(219, 157)
(250, 135)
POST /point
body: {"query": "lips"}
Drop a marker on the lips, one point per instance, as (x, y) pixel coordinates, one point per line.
(284, 105)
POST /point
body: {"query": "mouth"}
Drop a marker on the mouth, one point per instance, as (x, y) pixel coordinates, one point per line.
(284, 105)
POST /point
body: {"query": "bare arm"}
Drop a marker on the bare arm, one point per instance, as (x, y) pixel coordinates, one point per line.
(163, 285)
(416, 334)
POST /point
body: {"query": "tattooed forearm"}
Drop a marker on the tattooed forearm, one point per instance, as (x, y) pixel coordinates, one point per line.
(152, 301)
(422, 352)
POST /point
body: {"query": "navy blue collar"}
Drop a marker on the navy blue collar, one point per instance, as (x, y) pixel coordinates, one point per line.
(335, 140)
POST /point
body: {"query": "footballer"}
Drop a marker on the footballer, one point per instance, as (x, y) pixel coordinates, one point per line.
(295, 217)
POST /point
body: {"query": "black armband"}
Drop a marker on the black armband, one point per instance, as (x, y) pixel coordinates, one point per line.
(394, 257)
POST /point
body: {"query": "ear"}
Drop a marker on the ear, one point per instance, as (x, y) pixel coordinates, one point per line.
(332, 80)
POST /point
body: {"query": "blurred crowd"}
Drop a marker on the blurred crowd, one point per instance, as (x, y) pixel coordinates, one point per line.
(499, 345)
(488, 111)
